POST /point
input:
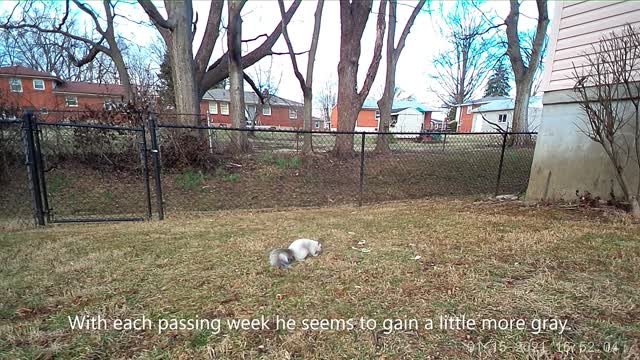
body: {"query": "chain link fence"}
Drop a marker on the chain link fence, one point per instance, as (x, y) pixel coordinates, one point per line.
(129, 169)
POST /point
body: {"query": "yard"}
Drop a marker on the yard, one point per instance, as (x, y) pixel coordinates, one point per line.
(425, 259)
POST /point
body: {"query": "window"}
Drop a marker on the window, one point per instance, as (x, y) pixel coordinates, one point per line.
(502, 118)
(316, 124)
(293, 114)
(266, 110)
(44, 111)
(15, 85)
(469, 109)
(38, 84)
(71, 101)
(213, 107)
(378, 115)
(224, 108)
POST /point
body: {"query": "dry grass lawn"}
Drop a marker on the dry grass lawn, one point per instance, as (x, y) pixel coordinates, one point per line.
(483, 260)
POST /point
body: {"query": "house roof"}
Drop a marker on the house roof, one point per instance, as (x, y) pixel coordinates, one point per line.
(249, 98)
(399, 105)
(507, 104)
(17, 70)
(484, 100)
(90, 88)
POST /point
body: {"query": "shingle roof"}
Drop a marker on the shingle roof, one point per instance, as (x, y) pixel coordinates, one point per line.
(90, 88)
(17, 70)
(249, 98)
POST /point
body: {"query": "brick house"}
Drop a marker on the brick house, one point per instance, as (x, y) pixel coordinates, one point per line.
(50, 97)
(406, 116)
(39, 91)
(277, 112)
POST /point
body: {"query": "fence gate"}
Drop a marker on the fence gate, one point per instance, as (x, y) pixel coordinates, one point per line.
(87, 172)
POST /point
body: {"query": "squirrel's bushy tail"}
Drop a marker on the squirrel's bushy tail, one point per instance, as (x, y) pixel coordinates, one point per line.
(281, 258)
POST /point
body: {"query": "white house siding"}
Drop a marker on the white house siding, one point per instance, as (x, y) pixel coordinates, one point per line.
(480, 125)
(565, 160)
(582, 24)
(409, 120)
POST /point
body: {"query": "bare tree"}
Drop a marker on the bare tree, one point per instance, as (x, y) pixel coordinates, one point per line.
(461, 69)
(608, 92)
(524, 63)
(103, 23)
(306, 83)
(265, 86)
(353, 20)
(193, 76)
(393, 54)
(236, 78)
(326, 99)
(48, 52)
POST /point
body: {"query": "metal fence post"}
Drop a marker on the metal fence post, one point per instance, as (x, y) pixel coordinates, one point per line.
(145, 169)
(156, 166)
(40, 168)
(504, 144)
(444, 141)
(361, 187)
(32, 167)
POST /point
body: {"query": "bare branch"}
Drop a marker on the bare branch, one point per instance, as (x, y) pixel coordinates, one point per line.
(377, 52)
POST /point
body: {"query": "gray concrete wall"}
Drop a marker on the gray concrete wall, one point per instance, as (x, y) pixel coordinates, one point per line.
(566, 160)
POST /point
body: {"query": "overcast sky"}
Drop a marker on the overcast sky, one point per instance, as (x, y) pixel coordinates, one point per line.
(261, 16)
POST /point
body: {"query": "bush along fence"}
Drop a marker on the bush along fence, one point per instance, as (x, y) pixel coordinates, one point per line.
(79, 169)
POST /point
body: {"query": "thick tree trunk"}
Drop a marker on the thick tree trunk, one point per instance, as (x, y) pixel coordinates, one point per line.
(520, 121)
(180, 47)
(348, 107)
(353, 19)
(236, 78)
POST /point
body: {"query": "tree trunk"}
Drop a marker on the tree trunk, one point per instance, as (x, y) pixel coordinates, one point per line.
(307, 145)
(236, 78)
(386, 102)
(348, 107)
(520, 121)
(635, 207)
(180, 46)
(123, 74)
(384, 106)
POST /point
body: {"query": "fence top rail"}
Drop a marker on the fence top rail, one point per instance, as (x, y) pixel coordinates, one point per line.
(293, 131)
(12, 121)
(92, 126)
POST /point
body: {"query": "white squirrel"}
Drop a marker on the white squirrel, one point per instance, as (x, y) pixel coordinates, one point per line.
(297, 251)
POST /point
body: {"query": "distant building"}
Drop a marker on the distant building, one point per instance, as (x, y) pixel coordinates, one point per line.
(39, 91)
(406, 116)
(478, 115)
(277, 112)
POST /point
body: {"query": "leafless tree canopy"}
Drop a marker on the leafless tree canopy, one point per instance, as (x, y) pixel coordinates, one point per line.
(326, 98)
(463, 67)
(608, 90)
(52, 18)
